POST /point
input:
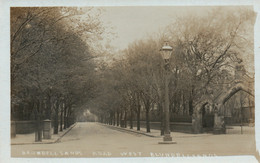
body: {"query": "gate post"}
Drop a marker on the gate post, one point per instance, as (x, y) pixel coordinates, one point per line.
(47, 129)
(13, 129)
(197, 121)
(219, 122)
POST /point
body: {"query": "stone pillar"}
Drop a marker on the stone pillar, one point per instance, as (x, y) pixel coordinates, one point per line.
(197, 122)
(47, 129)
(219, 120)
(219, 124)
(13, 129)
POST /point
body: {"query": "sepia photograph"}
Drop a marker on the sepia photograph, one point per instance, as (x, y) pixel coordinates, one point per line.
(132, 81)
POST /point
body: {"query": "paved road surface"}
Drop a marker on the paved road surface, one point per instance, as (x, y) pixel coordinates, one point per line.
(96, 140)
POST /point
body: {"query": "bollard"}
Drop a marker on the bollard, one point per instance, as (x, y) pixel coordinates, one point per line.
(47, 129)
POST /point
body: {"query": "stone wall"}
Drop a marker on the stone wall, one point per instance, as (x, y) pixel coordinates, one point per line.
(25, 127)
(174, 126)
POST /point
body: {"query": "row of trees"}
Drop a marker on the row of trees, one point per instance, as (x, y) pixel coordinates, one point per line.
(206, 50)
(52, 62)
(55, 73)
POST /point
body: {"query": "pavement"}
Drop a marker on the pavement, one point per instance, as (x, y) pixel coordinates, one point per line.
(240, 130)
(24, 139)
(95, 140)
(153, 132)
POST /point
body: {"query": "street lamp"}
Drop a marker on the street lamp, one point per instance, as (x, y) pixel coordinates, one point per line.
(166, 52)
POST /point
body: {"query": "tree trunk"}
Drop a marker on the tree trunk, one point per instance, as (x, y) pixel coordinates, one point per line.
(120, 118)
(191, 101)
(48, 108)
(162, 118)
(101, 119)
(147, 113)
(38, 133)
(64, 116)
(56, 117)
(125, 119)
(117, 118)
(190, 106)
(69, 116)
(147, 121)
(111, 118)
(20, 112)
(138, 118)
(183, 104)
(138, 112)
(61, 116)
(114, 118)
(131, 118)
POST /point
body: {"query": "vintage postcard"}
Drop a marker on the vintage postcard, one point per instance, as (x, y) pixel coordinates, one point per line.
(145, 82)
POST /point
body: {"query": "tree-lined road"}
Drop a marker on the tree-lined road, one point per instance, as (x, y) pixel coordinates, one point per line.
(95, 140)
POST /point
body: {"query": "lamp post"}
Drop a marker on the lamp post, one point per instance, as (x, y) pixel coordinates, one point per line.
(166, 52)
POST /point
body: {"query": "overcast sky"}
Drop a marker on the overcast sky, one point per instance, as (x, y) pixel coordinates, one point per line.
(132, 23)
